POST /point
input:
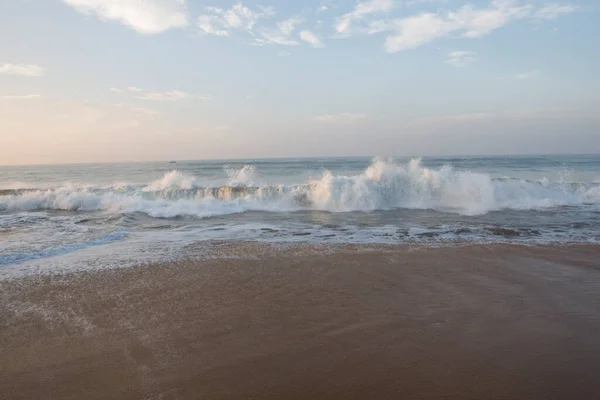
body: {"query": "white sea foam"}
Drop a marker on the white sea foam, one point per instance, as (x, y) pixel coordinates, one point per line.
(383, 185)
(172, 180)
(241, 177)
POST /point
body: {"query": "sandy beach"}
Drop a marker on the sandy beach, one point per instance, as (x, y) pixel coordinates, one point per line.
(326, 200)
(253, 321)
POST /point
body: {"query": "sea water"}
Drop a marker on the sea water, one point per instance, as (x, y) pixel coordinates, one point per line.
(110, 214)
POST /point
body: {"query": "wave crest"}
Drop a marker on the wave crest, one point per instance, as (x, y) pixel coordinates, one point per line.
(383, 185)
(172, 180)
(241, 177)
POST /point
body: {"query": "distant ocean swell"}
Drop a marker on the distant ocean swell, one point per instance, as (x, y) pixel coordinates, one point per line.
(383, 185)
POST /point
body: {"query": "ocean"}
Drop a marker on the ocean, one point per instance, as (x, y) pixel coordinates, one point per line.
(103, 215)
(438, 278)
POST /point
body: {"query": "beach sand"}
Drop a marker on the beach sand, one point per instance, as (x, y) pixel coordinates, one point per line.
(252, 321)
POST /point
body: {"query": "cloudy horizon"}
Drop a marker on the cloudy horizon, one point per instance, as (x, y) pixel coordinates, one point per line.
(98, 81)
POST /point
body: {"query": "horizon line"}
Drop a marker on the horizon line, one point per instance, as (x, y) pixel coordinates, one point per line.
(302, 158)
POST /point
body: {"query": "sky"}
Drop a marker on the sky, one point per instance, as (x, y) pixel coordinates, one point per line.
(142, 80)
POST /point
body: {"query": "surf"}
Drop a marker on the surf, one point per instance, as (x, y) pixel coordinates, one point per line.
(385, 184)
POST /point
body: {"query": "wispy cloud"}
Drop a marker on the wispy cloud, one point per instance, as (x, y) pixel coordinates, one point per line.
(461, 58)
(340, 118)
(220, 22)
(412, 32)
(311, 38)
(468, 21)
(20, 97)
(132, 89)
(553, 11)
(208, 24)
(245, 20)
(22, 69)
(287, 26)
(145, 17)
(527, 75)
(171, 95)
(344, 24)
(284, 54)
(281, 34)
(274, 36)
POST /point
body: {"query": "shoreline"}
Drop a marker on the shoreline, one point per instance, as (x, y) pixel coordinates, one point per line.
(468, 322)
(96, 259)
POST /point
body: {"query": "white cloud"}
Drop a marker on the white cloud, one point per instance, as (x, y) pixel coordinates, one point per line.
(416, 30)
(146, 17)
(343, 24)
(311, 38)
(327, 5)
(116, 90)
(22, 69)
(208, 25)
(267, 10)
(284, 54)
(220, 22)
(553, 11)
(412, 32)
(480, 22)
(171, 95)
(462, 58)
(274, 36)
(527, 75)
(281, 34)
(223, 22)
(287, 26)
(340, 118)
(21, 97)
(134, 89)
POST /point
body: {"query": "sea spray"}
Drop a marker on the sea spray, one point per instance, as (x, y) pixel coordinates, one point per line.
(383, 185)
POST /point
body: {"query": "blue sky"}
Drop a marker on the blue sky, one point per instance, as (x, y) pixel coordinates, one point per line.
(126, 80)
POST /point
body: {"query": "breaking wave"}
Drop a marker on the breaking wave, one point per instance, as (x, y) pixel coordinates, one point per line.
(383, 185)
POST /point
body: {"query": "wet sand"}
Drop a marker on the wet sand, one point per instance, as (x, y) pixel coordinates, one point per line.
(254, 322)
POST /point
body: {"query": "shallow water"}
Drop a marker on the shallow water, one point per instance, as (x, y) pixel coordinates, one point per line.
(104, 212)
